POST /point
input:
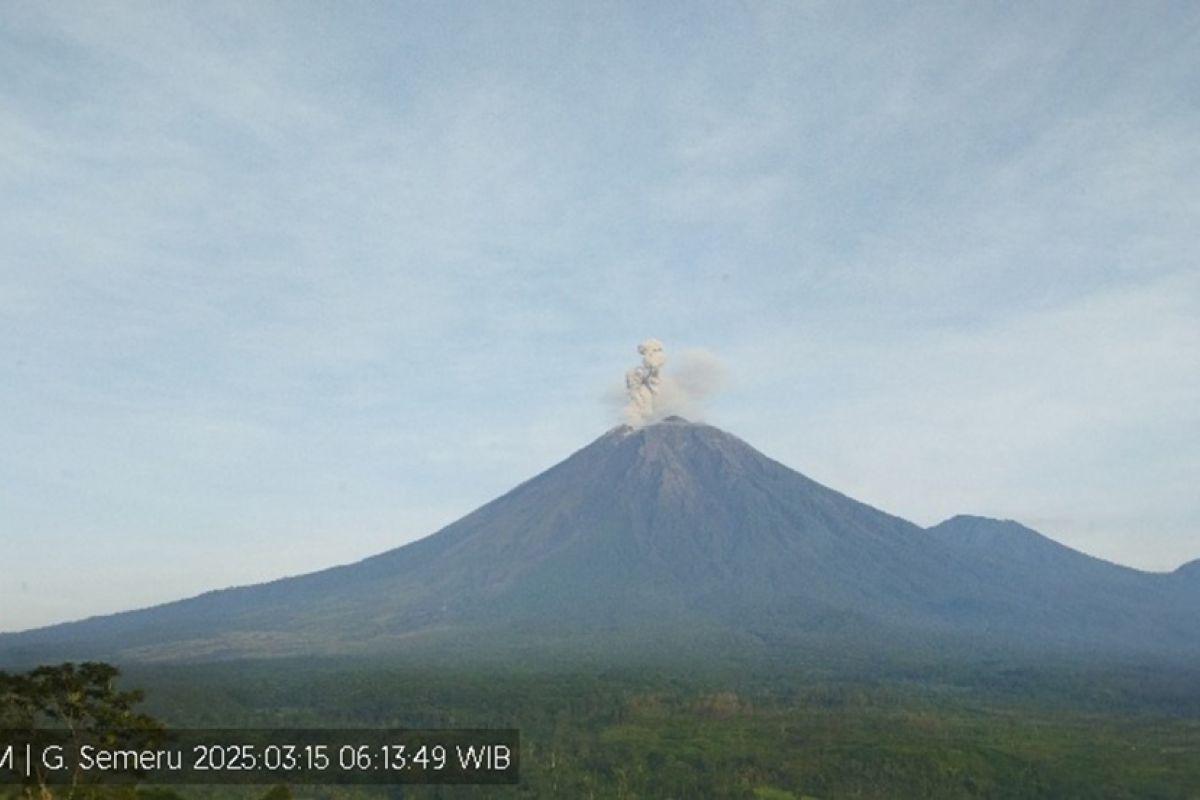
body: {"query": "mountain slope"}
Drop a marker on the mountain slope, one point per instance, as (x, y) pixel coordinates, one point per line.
(1190, 570)
(674, 533)
(1085, 598)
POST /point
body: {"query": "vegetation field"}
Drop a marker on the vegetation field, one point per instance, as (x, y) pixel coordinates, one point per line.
(1002, 732)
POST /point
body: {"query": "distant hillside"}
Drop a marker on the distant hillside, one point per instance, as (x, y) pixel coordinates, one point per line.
(675, 537)
(1190, 570)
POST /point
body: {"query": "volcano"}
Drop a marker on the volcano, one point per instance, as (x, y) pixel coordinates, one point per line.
(671, 537)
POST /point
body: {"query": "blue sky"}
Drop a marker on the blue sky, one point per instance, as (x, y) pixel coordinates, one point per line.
(285, 285)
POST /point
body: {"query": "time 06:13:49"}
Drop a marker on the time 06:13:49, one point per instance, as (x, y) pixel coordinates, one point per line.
(319, 757)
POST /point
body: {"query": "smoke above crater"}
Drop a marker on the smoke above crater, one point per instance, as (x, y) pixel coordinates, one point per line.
(653, 393)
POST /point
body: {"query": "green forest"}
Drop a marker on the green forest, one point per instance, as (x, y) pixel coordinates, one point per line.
(979, 731)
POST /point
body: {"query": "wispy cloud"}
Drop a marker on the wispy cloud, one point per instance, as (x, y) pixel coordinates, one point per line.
(1082, 416)
(255, 253)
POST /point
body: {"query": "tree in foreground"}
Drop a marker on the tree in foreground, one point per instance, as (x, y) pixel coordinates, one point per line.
(81, 699)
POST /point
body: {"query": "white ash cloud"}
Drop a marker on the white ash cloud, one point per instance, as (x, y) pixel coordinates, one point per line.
(652, 393)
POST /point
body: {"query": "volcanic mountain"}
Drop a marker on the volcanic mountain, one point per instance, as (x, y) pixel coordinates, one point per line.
(672, 536)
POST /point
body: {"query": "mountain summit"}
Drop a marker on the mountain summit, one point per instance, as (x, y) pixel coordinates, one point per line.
(673, 534)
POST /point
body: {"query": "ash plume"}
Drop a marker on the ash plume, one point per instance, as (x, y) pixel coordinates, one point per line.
(643, 383)
(651, 393)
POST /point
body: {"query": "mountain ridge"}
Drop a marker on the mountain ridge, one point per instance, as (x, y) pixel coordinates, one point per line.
(676, 531)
